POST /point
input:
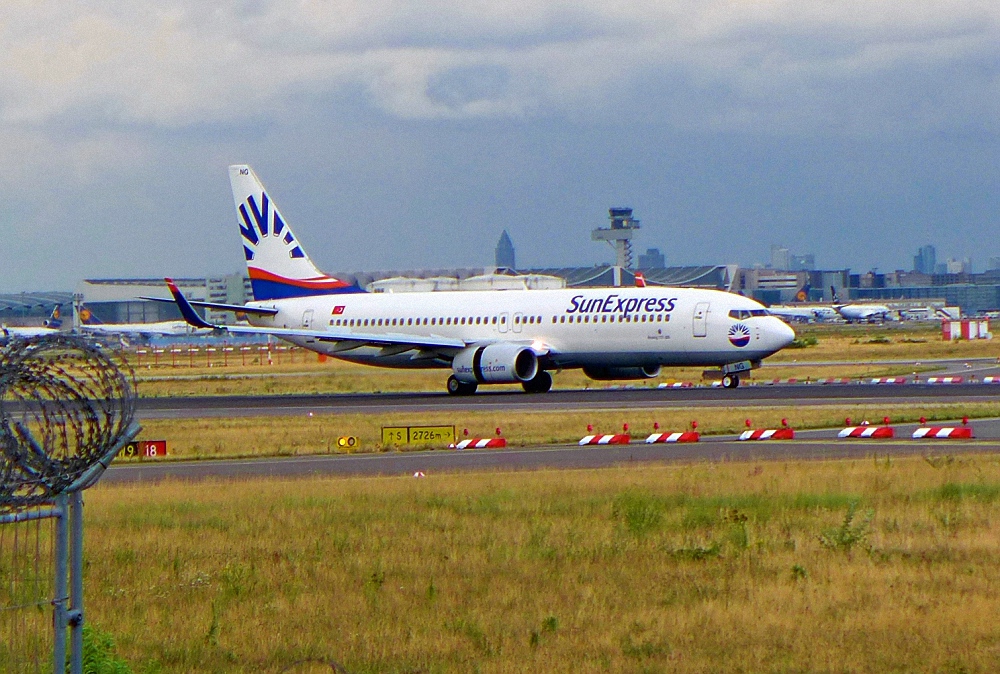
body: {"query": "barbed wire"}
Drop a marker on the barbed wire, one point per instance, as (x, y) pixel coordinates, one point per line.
(65, 402)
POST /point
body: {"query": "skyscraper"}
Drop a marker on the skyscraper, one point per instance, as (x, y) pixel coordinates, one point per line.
(505, 252)
(925, 260)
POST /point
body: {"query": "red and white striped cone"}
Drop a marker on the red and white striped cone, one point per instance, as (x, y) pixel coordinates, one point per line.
(869, 431)
(768, 434)
(943, 432)
(480, 443)
(685, 436)
(614, 439)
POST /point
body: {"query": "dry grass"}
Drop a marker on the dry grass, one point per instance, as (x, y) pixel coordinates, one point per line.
(699, 568)
(295, 435)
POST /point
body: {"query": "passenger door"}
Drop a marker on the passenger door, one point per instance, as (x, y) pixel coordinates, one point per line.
(700, 320)
(504, 318)
(518, 320)
(307, 319)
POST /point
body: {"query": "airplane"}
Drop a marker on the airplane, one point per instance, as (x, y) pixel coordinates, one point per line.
(91, 324)
(490, 336)
(857, 313)
(803, 313)
(51, 327)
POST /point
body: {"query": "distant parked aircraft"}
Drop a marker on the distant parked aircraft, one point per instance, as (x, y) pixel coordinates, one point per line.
(91, 324)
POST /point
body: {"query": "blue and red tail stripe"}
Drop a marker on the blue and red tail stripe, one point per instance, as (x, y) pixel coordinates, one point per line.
(268, 286)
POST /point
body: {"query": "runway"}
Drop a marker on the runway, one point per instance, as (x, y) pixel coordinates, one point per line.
(809, 445)
(608, 399)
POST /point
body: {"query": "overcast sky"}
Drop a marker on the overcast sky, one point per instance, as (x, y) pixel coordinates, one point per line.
(400, 135)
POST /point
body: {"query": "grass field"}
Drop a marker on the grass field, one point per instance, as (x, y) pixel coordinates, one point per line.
(863, 566)
(299, 371)
(297, 435)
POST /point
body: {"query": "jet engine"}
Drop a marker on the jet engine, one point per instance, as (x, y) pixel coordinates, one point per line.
(500, 363)
(607, 373)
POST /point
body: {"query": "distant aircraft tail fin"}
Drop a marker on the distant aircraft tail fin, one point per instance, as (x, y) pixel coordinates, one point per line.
(640, 280)
(833, 294)
(86, 316)
(277, 264)
(54, 320)
(803, 294)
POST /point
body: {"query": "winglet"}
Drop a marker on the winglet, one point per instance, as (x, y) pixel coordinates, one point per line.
(640, 280)
(187, 311)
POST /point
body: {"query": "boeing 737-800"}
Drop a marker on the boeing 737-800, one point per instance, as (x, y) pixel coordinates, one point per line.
(485, 337)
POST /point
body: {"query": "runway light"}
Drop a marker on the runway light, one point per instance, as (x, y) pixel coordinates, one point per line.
(590, 428)
(656, 426)
(498, 432)
(694, 424)
(784, 422)
(885, 420)
(465, 432)
(625, 428)
(965, 421)
(847, 421)
(747, 422)
(923, 420)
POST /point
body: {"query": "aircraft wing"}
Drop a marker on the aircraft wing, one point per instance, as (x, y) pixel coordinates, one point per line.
(238, 308)
(352, 339)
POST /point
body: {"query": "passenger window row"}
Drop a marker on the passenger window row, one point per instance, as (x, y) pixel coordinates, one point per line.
(501, 320)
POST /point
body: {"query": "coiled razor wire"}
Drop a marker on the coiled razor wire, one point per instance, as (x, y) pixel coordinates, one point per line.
(65, 403)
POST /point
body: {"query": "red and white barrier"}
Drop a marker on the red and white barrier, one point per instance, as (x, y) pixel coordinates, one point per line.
(888, 380)
(944, 432)
(834, 380)
(991, 380)
(793, 380)
(676, 384)
(945, 380)
(616, 439)
(480, 443)
(687, 436)
(768, 434)
(869, 431)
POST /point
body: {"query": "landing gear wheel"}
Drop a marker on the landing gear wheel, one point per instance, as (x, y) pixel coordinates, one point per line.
(731, 381)
(542, 383)
(460, 388)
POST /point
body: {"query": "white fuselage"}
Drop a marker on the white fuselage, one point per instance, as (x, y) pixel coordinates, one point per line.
(567, 328)
(166, 328)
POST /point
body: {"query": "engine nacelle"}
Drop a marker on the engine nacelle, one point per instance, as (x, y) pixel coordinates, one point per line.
(608, 373)
(500, 363)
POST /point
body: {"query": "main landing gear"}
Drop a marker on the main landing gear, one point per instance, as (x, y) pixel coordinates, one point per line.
(540, 384)
(461, 388)
(731, 381)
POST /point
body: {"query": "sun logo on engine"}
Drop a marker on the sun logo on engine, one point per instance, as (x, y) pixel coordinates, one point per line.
(739, 335)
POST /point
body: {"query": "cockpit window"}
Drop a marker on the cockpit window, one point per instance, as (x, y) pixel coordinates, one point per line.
(743, 314)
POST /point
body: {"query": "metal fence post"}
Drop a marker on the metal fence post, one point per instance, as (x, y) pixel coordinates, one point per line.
(76, 584)
(59, 598)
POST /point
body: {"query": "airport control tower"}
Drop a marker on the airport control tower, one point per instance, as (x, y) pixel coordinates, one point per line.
(619, 236)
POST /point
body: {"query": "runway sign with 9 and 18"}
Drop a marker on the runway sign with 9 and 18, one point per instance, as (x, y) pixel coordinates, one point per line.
(145, 449)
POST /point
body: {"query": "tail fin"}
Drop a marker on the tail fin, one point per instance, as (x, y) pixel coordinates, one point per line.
(276, 263)
(640, 280)
(86, 317)
(833, 294)
(54, 320)
(803, 294)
